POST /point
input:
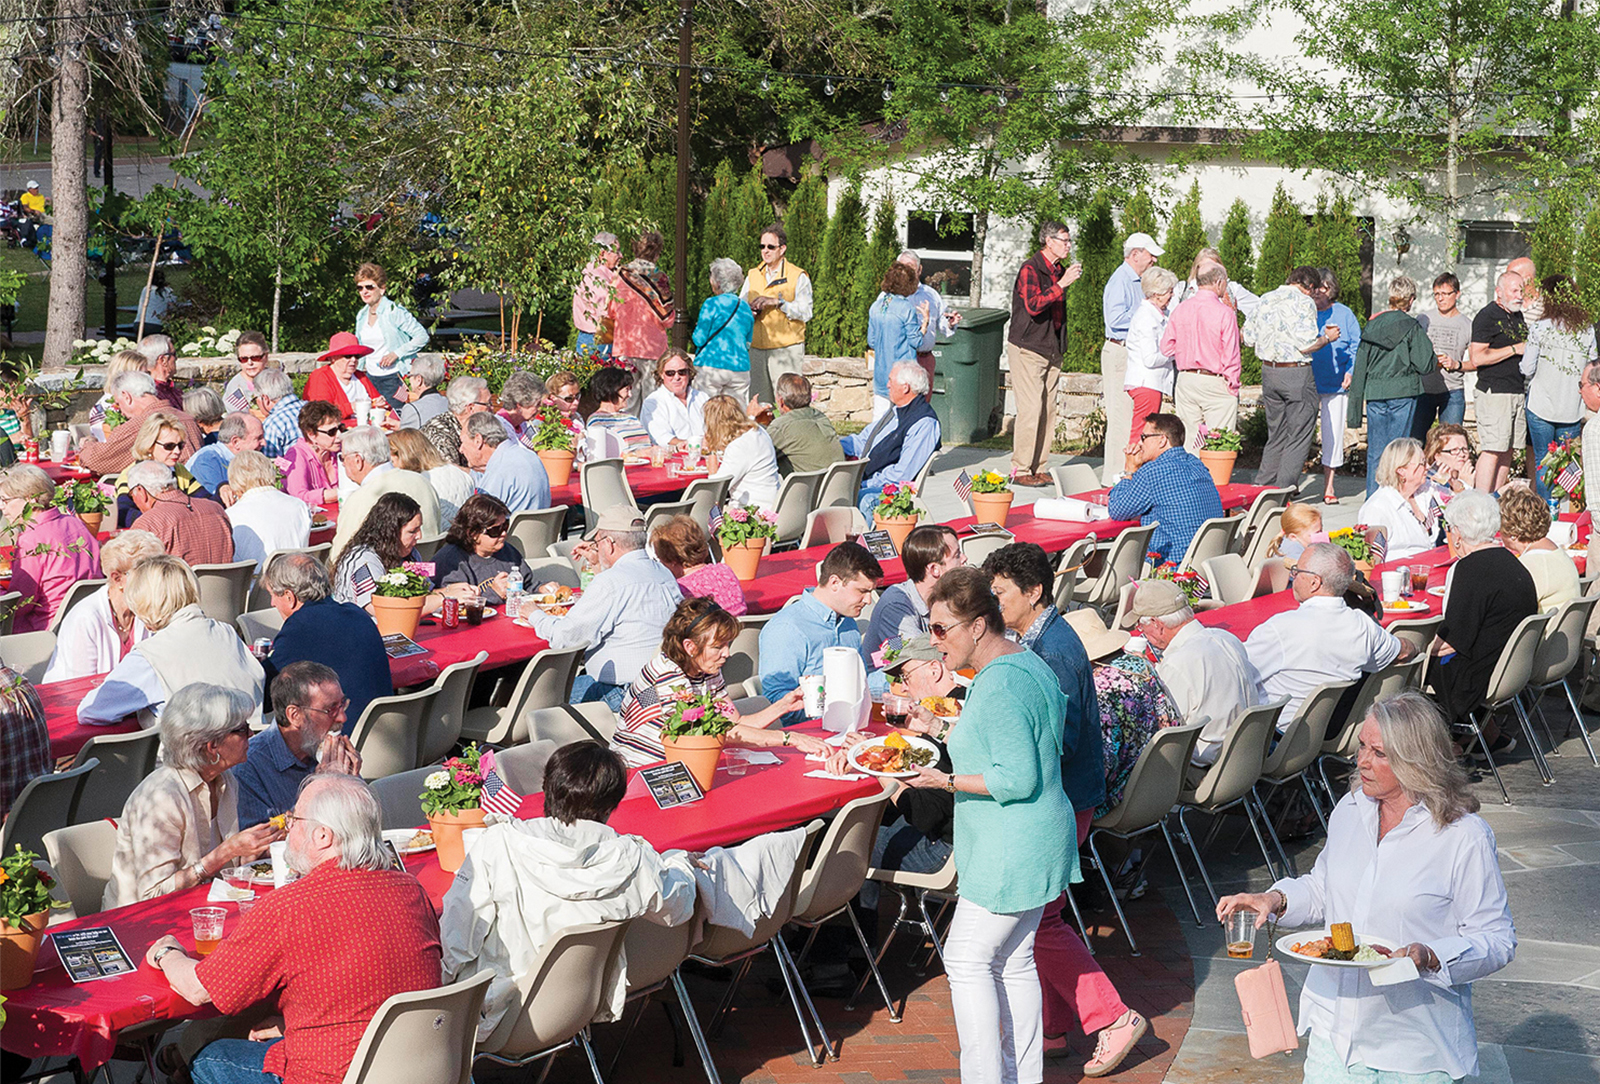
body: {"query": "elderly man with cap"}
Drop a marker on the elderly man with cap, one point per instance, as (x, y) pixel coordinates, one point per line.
(1123, 295)
(622, 613)
(1206, 670)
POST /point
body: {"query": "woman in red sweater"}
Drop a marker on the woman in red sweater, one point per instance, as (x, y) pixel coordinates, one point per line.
(338, 383)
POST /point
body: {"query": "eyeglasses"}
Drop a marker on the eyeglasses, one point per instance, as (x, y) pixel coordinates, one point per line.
(1296, 570)
(570, 398)
(1063, 239)
(497, 531)
(326, 711)
(1453, 451)
(251, 357)
(941, 631)
(335, 431)
(673, 372)
(168, 445)
(243, 730)
(1147, 436)
(768, 248)
(291, 816)
(365, 286)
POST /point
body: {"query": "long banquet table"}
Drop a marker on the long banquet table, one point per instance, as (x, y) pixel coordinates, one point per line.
(53, 1017)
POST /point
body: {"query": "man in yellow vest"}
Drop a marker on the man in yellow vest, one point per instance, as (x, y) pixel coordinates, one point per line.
(780, 294)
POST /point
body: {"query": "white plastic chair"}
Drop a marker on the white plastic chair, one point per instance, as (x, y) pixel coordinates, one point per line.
(125, 760)
(225, 589)
(80, 855)
(797, 496)
(1074, 478)
(259, 623)
(48, 802)
(841, 485)
(1213, 538)
(1230, 579)
(832, 525)
(1557, 661)
(534, 530)
(447, 715)
(75, 594)
(1230, 782)
(545, 682)
(604, 484)
(1512, 672)
(422, 1036)
(28, 653)
(389, 733)
(742, 670)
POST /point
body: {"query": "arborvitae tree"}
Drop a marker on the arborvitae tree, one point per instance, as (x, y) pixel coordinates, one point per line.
(716, 235)
(1283, 245)
(806, 221)
(1553, 238)
(751, 213)
(880, 254)
(844, 246)
(1586, 264)
(1334, 241)
(1186, 234)
(1139, 216)
(1099, 251)
(1235, 247)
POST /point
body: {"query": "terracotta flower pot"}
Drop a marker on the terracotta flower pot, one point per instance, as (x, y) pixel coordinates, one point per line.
(91, 521)
(558, 465)
(18, 948)
(699, 754)
(897, 526)
(447, 828)
(397, 614)
(992, 507)
(745, 558)
(1220, 464)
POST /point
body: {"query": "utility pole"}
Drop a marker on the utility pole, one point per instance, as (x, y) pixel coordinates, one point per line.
(680, 247)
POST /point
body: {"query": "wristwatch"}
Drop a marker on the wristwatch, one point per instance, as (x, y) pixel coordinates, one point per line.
(156, 960)
(950, 782)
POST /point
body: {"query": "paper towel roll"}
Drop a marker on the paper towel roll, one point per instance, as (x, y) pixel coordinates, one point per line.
(1068, 508)
(846, 703)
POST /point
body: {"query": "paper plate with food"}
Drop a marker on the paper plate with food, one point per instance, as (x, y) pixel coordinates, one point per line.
(555, 602)
(410, 841)
(945, 707)
(896, 756)
(1340, 946)
(261, 873)
(320, 523)
(1405, 606)
(1436, 592)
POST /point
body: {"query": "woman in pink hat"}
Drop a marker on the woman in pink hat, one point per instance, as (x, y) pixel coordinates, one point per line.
(338, 382)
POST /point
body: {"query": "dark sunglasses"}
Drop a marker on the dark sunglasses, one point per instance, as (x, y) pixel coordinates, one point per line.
(243, 730)
(250, 357)
(365, 286)
(675, 372)
(941, 631)
(335, 431)
(497, 531)
(168, 445)
(565, 398)
(766, 248)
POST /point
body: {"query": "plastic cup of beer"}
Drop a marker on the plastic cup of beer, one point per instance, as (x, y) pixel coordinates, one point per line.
(658, 456)
(207, 928)
(1241, 926)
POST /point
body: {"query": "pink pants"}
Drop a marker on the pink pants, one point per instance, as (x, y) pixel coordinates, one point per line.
(1075, 989)
(1146, 401)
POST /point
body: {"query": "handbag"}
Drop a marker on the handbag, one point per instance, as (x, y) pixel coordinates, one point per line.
(1265, 1004)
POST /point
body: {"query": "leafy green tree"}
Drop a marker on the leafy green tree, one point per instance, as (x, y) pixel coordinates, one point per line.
(1586, 262)
(1554, 235)
(1334, 242)
(805, 220)
(1282, 247)
(1235, 247)
(1139, 215)
(1096, 248)
(1186, 234)
(844, 247)
(716, 230)
(882, 250)
(752, 213)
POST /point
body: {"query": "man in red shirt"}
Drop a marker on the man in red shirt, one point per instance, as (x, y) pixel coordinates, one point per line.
(194, 528)
(1034, 347)
(315, 945)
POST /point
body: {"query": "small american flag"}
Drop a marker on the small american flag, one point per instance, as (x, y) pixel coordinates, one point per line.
(363, 583)
(1379, 544)
(716, 516)
(1569, 478)
(236, 400)
(963, 485)
(497, 797)
(880, 657)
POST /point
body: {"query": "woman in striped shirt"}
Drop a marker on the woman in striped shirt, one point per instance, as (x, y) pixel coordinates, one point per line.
(694, 646)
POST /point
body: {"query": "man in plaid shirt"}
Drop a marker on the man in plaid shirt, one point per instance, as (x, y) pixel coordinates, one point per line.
(281, 426)
(24, 737)
(1034, 348)
(1171, 486)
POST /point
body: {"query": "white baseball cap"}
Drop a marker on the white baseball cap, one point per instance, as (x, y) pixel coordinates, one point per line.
(1144, 241)
(33, 184)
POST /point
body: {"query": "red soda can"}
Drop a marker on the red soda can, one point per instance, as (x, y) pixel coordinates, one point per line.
(30, 451)
(451, 612)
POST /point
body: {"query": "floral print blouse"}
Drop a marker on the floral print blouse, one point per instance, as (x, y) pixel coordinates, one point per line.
(1133, 706)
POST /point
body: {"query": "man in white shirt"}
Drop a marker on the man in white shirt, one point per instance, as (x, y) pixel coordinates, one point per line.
(364, 455)
(1322, 639)
(620, 616)
(1206, 670)
(1283, 330)
(1589, 389)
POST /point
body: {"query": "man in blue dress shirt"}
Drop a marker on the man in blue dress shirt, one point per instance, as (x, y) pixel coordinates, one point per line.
(1122, 298)
(305, 739)
(825, 616)
(1171, 486)
(899, 444)
(504, 467)
(238, 432)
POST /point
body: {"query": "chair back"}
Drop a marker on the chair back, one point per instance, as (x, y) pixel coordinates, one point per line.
(723, 942)
(742, 671)
(831, 525)
(389, 733)
(533, 530)
(560, 569)
(1562, 645)
(1213, 539)
(546, 682)
(1301, 741)
(1515, 665)
(427, 547)
(658, 514)
(1155, 782)
(28, 653)
(81, 857)
(706, 493)
(8, 611)
(796, 498)
(1380, 685)
(225, 589)
(927, 469)
(977, 547)
(1074, 478)
(1069, 570)
(259, 623)
(563, 990)
(835, 874)
(567, 723)
(841, 484)
(48, 802)
(1238, 763)
(75, 594)
(522, 766)
(449, 710)
(1255, 520)
(125, 760)
(1256, 546)
(1123, 562)
(422, 1037)
(604, 484)
(653, 952)
(1230, 578)
(1418, 631)
(260, 598)
(400, 797)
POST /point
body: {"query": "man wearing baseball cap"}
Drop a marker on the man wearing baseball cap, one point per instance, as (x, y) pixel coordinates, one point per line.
(1206, 670)
(620, 616)
(1122, 298)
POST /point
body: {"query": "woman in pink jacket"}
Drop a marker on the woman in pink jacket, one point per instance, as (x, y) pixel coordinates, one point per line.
(313, 472)
(54, 549)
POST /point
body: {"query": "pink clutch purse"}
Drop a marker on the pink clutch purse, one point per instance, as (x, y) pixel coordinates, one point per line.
(1265, 1004)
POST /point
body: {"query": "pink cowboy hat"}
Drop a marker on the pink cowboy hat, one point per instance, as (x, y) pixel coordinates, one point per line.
(344, 345)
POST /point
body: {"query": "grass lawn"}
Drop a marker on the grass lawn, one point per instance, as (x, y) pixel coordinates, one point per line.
(34, 300)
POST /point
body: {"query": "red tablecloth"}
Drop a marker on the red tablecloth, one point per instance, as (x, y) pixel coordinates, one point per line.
(645, 481)
(60, 700)
(53, 1017)
(64, 472)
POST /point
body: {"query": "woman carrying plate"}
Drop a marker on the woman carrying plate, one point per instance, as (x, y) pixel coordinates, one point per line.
(1411, 866)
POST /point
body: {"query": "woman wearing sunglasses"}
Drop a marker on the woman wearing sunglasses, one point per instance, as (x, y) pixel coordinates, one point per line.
(392, 336)
(313, 473)
(675, 413)
(160, 438)
(476, 551)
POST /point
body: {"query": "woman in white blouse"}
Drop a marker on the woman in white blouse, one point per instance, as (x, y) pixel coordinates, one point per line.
(1150, 373)
(1412, 867)
(748, 456)
(180, 827)
(674, 414)
(1410, 520)
(97, 632)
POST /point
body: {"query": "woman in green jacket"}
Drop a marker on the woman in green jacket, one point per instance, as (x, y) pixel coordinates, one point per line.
(1015, 840)
(1394, 355)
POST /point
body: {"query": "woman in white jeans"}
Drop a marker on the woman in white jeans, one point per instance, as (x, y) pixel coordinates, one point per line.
(1015, 840)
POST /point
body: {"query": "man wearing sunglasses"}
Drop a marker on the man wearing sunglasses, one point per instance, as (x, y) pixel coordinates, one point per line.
(779, 293)
(311, 713)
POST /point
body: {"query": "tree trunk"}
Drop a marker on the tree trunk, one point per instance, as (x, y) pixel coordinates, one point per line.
(277, 300)
(980, 234)
(69, 242)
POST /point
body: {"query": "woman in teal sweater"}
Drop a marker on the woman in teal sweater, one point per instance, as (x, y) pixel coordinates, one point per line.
(1015, 841)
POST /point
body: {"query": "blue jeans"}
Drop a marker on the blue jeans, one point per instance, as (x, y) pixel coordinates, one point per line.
(388, 387)
(1388, 420)
(1542, 434)
(1430, 406)
(586, 690)
(587, 345)
(869, 501)
(233, 1061)
(1454, 411)
(900, 846)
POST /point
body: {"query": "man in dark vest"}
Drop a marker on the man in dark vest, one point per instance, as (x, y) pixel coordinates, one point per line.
(1034, 348)
(898, 445)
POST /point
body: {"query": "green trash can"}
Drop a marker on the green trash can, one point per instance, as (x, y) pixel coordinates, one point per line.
(966, 377)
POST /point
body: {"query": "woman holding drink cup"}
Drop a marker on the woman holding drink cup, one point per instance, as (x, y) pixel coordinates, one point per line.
(338, 383)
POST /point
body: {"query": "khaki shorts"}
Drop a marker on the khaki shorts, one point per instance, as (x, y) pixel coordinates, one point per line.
(1502, 421)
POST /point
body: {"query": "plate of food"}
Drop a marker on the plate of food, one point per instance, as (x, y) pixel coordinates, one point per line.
(896, 756)
(261, 873)
(555, 602)
(1405, 606)
(321, 523)
(945, 707)
(409, 841)
(1337, 946)
(1436, 592)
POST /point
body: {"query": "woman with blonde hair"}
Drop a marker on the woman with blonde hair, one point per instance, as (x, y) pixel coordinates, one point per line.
(674, 414)
(1449, 456)
(1409, 521)
(264, 517)
(1410, 864)
(54, 550)
(184, 646)
(749, 459)
(563, 392)
(122, 361)
(392, 336)
(410, 450)
(100, 630)
(1525, 529)
(161, 437)
(1394, 355)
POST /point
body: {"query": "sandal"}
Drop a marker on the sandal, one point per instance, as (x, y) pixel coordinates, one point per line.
(1330, 498)
(1115, 1042)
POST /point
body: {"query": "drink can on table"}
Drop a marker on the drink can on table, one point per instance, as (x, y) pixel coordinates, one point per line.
(811, 686)
(261, 647)
(450, 613)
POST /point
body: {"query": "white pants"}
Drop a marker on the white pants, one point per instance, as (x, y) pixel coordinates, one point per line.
(994, 990)
(724, 382)
(1333, 418)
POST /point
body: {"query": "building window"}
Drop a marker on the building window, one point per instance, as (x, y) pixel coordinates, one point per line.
(944, 241)
(1498, 241)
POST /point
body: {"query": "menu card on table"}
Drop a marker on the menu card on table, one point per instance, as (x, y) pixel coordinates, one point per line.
(91, 954)
(400, 646)
(879, 544)
(988, 529)
(671, 784)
